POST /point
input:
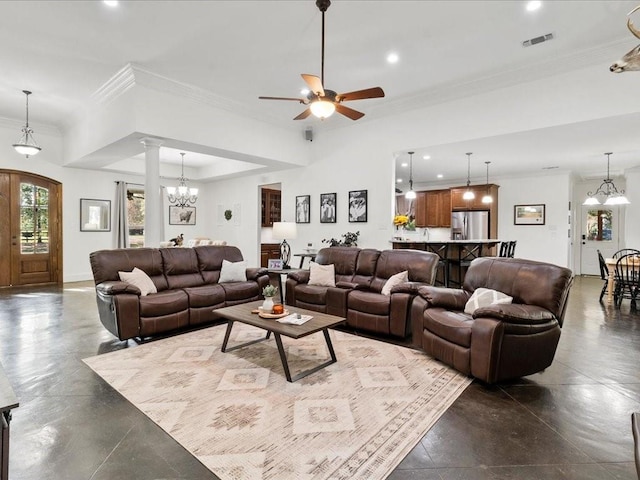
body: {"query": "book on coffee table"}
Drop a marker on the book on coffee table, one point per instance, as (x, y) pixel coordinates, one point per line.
(294, 320)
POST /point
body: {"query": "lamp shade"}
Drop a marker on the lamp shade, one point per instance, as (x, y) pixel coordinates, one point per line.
(284, 230)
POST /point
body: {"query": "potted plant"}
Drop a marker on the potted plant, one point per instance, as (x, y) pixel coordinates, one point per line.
(268, 293)
(350, 239)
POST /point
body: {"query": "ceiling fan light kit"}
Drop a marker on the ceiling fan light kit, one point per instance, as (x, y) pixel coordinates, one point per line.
(322, 103)
(27, 145)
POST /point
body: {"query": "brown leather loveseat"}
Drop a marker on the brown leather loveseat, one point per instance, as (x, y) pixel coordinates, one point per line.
(360, 275)
(187, 286)
(498, 341)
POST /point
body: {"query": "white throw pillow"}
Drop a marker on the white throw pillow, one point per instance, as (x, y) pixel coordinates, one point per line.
(322, 275)
(394, 280)
(483, 297)
(139, 279)
(233, 272)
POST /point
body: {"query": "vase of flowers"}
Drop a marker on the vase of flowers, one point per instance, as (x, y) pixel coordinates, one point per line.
(268, 293)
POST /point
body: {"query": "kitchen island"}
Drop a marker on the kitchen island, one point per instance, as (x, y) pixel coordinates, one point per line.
(455, 255)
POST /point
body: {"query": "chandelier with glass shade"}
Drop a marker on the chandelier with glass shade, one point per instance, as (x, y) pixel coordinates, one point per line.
(27, 145)
(182, 195)
(608, 190)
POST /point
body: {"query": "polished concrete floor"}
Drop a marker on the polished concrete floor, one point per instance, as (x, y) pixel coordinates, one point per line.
(570, 422)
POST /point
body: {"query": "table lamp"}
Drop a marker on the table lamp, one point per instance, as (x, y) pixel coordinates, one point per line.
(282, 231)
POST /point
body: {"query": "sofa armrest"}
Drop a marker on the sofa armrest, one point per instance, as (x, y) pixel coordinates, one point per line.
(301, 276)
(516, 313)
(115, 287)
(411, 288)
(254, 273)
(447, 298)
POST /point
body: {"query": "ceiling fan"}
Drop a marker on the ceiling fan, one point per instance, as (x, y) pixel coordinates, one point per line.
(322, 101)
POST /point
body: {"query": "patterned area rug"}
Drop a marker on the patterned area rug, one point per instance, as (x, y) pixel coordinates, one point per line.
(355, 419)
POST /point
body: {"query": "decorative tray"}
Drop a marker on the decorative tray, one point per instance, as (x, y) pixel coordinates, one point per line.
(262, 314)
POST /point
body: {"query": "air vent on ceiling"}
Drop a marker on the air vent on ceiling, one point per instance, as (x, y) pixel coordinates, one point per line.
(537, 40)
(550, 168)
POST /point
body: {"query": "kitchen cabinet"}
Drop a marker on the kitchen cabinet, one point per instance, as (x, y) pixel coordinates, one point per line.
(438, 208)
(271, 207)
(458, 203)
(420, 209)
(268, 251)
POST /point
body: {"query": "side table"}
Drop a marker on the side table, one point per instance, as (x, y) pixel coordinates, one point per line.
(310, 256)
(277, 273)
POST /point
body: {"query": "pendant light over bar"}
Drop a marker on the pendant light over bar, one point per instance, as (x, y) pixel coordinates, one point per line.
(410, 195)
(468, 195)
(487, 197)
(27, 145)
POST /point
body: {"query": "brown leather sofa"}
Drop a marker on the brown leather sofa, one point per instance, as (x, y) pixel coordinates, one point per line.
(497, 342)
(360, 275)
(187, 284)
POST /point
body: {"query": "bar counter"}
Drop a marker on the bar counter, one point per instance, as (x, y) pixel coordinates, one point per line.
(455, 255)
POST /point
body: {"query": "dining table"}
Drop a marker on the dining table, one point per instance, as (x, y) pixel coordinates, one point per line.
(611, 281)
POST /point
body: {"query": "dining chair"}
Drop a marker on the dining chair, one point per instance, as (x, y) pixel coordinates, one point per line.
(627, 277)
(625, 251)
(604, 274)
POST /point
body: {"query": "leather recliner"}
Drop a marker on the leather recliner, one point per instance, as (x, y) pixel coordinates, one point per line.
(499, 341)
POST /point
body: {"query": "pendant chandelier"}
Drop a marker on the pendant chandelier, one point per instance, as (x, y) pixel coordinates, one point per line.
(410, 195)
(182, 196)
(487, 197)
(468, 195)
(607, 189)
(27, 145)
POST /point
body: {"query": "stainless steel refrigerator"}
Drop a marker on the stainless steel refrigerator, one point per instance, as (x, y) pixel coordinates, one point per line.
(470, 225)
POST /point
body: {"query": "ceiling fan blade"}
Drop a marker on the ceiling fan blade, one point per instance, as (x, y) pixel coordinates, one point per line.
(375, 92)
(304, 114)
(282, 98)
(348, 112)
(315, 84)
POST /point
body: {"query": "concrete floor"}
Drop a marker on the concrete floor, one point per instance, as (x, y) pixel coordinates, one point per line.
(570, 422)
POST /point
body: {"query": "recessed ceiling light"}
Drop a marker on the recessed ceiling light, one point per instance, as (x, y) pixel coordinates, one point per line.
(304, 91)
(399, 180)
(440, 175)
(404, 164)
(111, 3)
(427, 157)
(533, 5)
(393, 58)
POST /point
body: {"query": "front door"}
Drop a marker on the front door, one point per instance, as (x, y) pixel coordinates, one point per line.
(31, 226)
(600, 231)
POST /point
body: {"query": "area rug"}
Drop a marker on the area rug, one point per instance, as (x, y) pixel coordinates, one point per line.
(355, 419)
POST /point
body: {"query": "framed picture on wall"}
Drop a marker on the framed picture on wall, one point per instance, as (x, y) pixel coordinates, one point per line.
(182, 215)
(328, 207)
(95, 215)
(357, 206)
(529, 214)
(303, 209)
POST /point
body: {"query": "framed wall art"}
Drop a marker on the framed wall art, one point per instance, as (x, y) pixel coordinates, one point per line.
(529, 214)
(328, 207)
(357, 206)
(95, 215)
(303, 209)
(182, 215)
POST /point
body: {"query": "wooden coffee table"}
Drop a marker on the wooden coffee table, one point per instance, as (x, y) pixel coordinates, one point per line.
(320, 322)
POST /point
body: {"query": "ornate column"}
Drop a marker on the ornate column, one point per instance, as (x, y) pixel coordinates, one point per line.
(152, 217)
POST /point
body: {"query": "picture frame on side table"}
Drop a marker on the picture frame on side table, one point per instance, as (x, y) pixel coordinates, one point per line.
(95, 215)
(328, 206)
(303, 209)
(182, 215)
(357, 206)
(533, 214)
(274, 264)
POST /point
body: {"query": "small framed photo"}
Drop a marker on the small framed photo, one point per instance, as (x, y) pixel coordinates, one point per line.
(182, 215)
(274, 264)
(328, 207)
(529, 214)
(357, 206)
(303, 209)
(95, 215)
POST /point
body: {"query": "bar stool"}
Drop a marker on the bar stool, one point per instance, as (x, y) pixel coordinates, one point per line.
(504, 249)
(467, 252)
(512, 248)
(442, 250)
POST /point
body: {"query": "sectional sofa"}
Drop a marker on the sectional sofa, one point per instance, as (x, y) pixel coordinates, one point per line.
(187, 284)
(360, 277)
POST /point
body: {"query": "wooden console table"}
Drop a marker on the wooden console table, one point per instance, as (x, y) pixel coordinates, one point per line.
(8, 401)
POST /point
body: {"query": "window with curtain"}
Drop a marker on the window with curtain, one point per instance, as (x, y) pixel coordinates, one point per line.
(135, 216)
